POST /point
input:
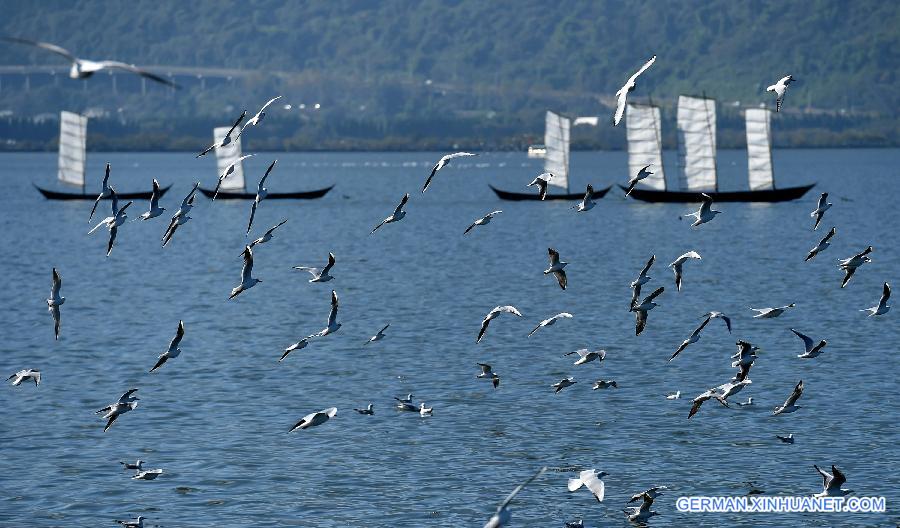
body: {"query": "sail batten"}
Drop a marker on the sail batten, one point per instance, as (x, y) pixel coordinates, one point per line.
(697, 143)
(759, 149)
(72, 148)
(227, 155)
(556, 140)
(644, 134)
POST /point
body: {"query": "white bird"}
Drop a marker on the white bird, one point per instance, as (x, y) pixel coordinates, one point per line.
(369, 410)
(642, 279)
(550, 322)
(586, 356)
(137, 523)
(105, 192)
(247, 280)
(228, 170)
(443, 163)
(579, 523)
(23, 375)
(563, 383)
(587, 203)
(398, 215)
(255, 120)
(709, 394)
(138, 465)
(408, 399)
(333, 325)
(653, 493)
(770, 313)
(261, 194)
(643, 308)
(705, 213)
(719, 315)
(812, 349)
(850, 265)
(150, 474)
(226, 139)
(674, 396)
(84, 68)
(425, 411)
(693, 338)
(267, 236)
(488, 373)
(113, 411)
(181, 216)
(125, 398)
(379, 336)
(173, 351)
(541, 181)
(155, 210)
(319, 274)
(296, 346)
(589, 478)
(780, 88)
(746, 403)
(821, 246)
(502, 515)
(640, 514)
(315, 419)
(820, 209)
(55, 301)
(789, 439)
(604, 384)
(642, 174)
(678, 264)
(113, 222)
(789, 405)
(406, 404)
(484, 220)
(832, 482)
(557, 268)
(493, 314)
(882, 307)
(743, 359)
(622, 94)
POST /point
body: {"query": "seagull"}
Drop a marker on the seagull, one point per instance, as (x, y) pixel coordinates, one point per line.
(556, 268)
(882, 307)
(247, 280)
(225, 140)
(113, 222)
(550, 322)
(789, 439)
(746, 403)
(267, 236)
(541, 181)
(789, 405)
(643, 173)
(731, 388)
(693, 338)
(379, 336)
(586, 203)
(333, 325)
(105, 192)
(832, 482)
(155, 210)
(586, 356)
(563, 383)
(296, 346)
(55, 301)
(488, 373)
(150, 474)
(821, 246)
(136, 466)
(125, 398)
(443, 163)
(23, 375)
(181, 216)
(589, 478)
(640, 514)
(604, 384)
(705, 213)
(84, 68)
(719, 315)
(254, 121)
(622, 94)
(642, 279)
(770, 313)
(369, 410)
(575, 524)
(743, 359)
(261, 194)
(674, 396)
(425, 411)
(849, 265)
(320, 275)
(709, 394)
(641, 310)
(484, 220)
(653, 493)
(812, 349)
(228, 170)
(398, 215)
(679, 263)
(137, 523)
(780, 88)
(408, 399)
(115, 410)
(173, 351)
(314, 419)
(406, 406)
(821, 207)
(502, 516)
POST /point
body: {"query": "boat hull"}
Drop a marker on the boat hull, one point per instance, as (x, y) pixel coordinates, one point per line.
(534, 197)
(57, 195)
(769, 195)
(229, 195)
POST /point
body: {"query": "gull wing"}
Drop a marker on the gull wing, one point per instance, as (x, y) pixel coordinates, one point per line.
(640, 321)
(247, 270)
(57, 284)
(647, 266)
(807, 342)
(332, 316)
(697, 331)
(798, 391)
(484, 327)
(519, 488)
(653, 295)
(437, 167)
(252, 214)
(554, 256)
(134, 69)
(885, 295)
(44, 45)
(178, 335)
(402, 203)
(561, 278)
(271, 166)
(330, 264)
(236, 123)
(837, 479)
(825, 476)
(642, 70)
(593, 483)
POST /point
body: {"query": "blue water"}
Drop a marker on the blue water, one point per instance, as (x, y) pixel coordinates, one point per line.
(216, 418)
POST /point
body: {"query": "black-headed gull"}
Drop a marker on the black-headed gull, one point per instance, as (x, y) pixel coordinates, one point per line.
(642, 279)
(181, 216)
(228, 170)
(267, 236)
(770, 313)
(604, 384)
(789, 439)
(296, 346)
(333, 325)
(678, 265)
(643, 173)
(488, 373)
(443, 163)
(882, 307)
(315, 419)
(379, 336)
(55, 301)
(720, 315)
(586, 356)
(643, 308)
(706, 213)
(137, 465)
(541, 181)
(779, 89)
(155, 210)
(319, 274)
(832, 482)
(247, 280)
(790, 405)
(590, 479)
(850, 265)
(493, 314)
(23, 375)
(369, 410)
(813, 349)
(550, 322)
(622, 94)
(150, 474)
(398, 214)
(821, 246)
(226, 139)
(113, 411)
(137, 523)
(557, 268)
(674, 396)
(653, 492)
(640, 514)
(105, 192)
(484, 220)
(587, 203)
(255, 120)
(693, 338)
(820, 209)
(563, 383)
(425, 411)
(173, 351)
(261, 194)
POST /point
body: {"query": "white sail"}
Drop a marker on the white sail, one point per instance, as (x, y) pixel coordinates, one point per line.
(556, 140)
(72, 147)
(697, 135)
(644, 133)
(759, 149)
(227, 155)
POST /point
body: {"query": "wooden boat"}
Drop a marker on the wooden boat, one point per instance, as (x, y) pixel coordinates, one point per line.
(534, 196)
(303, 195)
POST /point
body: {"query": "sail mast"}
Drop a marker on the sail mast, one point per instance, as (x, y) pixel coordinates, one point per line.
(72, 148)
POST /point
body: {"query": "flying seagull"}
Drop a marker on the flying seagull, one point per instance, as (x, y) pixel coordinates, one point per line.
(493, 314)
(137, 523)
(247, 280)
(653, 493)
(770, 313)
(228, 170)
(849, 265)
(812, 348)
(173, 351)
(789, 439)
(484, 220)
(155, 210)
(705, 213)
(443, 163)
(821, 246)
(115, 410)
(105, 192)
(488, 373)
(820, 209)
(254, 121)
(882, 307)
(150, 474)
(261, 194)
(180, 216)
(319, 275)
(502, 515)
(622, 94)
(743, 359)
(604, 384)
(587, 203)
(379, 336)
(315, 419)
(556, 268)
(333, 325)
(780, 88)
(641, 310)
(590, 479)
(709, 394)
(398, 215)
(563, 383)
(296, 346)
(643, 173)
(113, 222)
(267, 236)
(720, 315)
(832, 482)
(55, 301)
(642, 279)
(369, 410)
(23, 375)
(679, 263)
(789, 405)
(225, 140)
(640, 514)
(550, 322)
(693, 338)
(84, 68)
(541, 181)
(586, 356)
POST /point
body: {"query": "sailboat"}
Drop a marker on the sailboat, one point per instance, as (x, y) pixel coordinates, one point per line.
(234, 186)
(72, 157)
(697, 150)
(556, 162)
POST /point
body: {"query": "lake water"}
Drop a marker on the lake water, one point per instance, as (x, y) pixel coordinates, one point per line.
(216, 418)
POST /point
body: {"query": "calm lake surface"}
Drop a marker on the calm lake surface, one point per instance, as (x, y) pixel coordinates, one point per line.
(216, 418)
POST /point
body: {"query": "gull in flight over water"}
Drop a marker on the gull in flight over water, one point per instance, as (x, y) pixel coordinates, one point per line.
(590, 479)
(55, 301)
(225, 140)
(137, 523)
(155, 210)
(832, 482)
(557, 268)
(780, 88)
(113, 222)
(502, 516)
(267, 236)
(255, 120)
(622, 94)
(261, 194)
(789, 439)
(115, 410)
(821, 246)
(849, 265)
(679, 264)
(693, 338)
(882, 307)
(563, 383)
(820, 209)
(640, 514)
(641, 310)
(24, 375)
(790, 405)
(551, 321)
(296, 346)
(743, 359)
(653, 493)
(705, 213)
(604, 384)
(716, 393)
(484, 220)
(319, 275)
(643, 173)
(379, 336)
(541, 181)
(443, 163)
(770, 313)
(719, 315)
(247, 280)
(173, 351)
(105, 192)
(813, 349)
(150, 474)
(333, 325)
(587, 203)
(315, 419)
(493, 314)
(398, 215)
(228, 170)
(180, 216)
(488, 373)
(586, 356)
(642, 279)
(369, 410)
